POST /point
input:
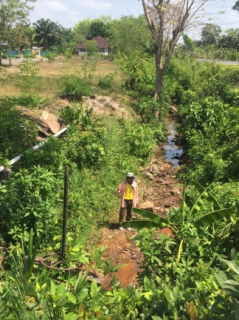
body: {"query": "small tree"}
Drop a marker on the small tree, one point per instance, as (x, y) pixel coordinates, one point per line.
(211, 34)
(13, 19)
(167, 19)
(91, 47)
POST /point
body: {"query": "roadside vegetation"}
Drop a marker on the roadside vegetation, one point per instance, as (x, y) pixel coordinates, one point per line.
(193, 275)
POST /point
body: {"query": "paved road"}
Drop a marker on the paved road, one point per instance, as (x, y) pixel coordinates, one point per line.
(233, 63)
(18, 61)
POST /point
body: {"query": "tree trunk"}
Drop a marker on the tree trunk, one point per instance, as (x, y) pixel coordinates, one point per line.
(159, 73)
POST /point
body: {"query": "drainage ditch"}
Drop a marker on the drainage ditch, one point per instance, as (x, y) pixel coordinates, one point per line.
(172, 152)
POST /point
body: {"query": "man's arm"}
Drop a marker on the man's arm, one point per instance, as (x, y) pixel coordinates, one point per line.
(118, 190)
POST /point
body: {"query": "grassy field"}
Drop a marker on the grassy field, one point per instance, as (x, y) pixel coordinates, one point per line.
(51, 73)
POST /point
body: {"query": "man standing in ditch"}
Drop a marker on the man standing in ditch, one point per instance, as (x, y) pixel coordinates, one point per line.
(129, 197)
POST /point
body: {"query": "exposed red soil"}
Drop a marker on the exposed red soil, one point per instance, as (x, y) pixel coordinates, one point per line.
(165, 192)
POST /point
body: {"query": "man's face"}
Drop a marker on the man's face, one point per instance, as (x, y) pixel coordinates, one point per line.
(129, 180)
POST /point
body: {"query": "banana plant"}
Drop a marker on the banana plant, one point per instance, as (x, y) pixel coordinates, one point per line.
(218, 213)
(229, 282)
(153, 220)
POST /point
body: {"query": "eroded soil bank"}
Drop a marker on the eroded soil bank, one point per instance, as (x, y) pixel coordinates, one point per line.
(158, 188)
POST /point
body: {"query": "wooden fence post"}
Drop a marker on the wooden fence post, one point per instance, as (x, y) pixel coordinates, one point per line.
(63, 252)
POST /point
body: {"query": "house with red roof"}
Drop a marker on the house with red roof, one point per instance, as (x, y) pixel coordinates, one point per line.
(102, 45)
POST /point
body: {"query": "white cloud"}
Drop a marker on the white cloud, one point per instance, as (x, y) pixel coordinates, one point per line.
(94, 4)
(74, 17)
(55, 6)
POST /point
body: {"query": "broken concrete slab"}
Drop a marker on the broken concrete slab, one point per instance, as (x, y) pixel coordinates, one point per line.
(50, 121)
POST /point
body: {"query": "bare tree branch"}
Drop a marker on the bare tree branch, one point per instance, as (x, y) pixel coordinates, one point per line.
(167, 20)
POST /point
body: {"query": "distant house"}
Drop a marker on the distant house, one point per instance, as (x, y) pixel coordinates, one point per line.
(102, 45)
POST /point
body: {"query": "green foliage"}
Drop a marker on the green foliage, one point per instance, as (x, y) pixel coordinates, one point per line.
(71, 115)
(122, 41)
(227, 305)
(139, 72)
(85, 141)
(16, 133)
(14, 18)
(150, 110)
(75, 87)
(139, 140)
(29, 203)
(210, 128)
(47, 33)
(106, 82)
(98, 27)
(29, 291)
(89, 65)
(190, 81)
(188, 42)
(28, 82)
(181, 262)
(178, 272)
(91, 47)
(49, 155)
(50, 55)
(29, 55)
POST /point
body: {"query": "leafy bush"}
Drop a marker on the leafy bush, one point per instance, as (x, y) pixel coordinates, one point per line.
(30, 203)
(50, 55)
(75, 87)
(49, 155)
(208, 127)
(139, 72)
(85, 145)
(28, 81)
(71, 115)
(106, 82)
(16, 134)
(139, 140)
(29, 55)
(188, 81)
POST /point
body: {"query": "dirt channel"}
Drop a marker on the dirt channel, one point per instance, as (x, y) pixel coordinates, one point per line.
(158, 188)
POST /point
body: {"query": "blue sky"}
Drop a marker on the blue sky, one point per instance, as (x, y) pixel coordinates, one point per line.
(69, 12)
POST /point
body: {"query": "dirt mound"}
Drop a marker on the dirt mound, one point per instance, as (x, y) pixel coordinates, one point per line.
(104, 105)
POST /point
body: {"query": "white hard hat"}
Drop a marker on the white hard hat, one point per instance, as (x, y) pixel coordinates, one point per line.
(130, 175)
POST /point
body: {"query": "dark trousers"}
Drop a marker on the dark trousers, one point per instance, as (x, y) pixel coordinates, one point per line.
(129, 205)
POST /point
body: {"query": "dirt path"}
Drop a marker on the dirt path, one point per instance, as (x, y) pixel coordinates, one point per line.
(159, 188)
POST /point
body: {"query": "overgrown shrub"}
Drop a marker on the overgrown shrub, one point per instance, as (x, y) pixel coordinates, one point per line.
(210, 129)
(30, 202)
(106, 82)
(16, 134)
(139, 72)
(28, 81)
(49, 155)
(75, 87)
(139, 140)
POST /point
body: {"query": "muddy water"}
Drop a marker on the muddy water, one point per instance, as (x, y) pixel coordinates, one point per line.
(172, 152)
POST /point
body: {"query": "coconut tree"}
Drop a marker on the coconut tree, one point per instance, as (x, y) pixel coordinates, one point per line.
(48, 33)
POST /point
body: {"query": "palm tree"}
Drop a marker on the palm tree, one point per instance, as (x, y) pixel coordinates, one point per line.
(48, 33)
